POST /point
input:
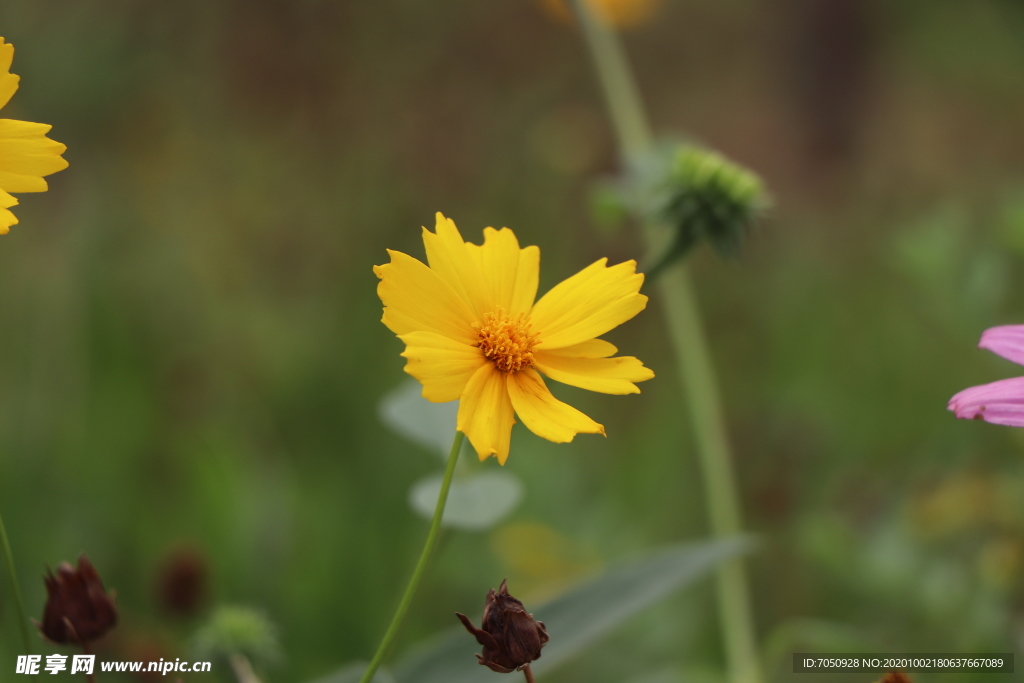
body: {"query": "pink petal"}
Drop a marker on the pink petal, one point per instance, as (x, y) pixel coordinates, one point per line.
(1006, 341)
(1000, 403)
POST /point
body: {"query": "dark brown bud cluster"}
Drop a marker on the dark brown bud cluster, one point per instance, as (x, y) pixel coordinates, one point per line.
(78, 608)
(510, 636)
(182, 584)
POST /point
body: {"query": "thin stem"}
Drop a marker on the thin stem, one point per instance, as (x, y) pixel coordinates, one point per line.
(622, 95)
(242, 668)
(91, 676)
(15, 589)
(701, 388)
(528, 672)
(421, 566)
(690, 348)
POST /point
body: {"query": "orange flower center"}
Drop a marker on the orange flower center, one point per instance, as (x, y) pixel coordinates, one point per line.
(506, 340)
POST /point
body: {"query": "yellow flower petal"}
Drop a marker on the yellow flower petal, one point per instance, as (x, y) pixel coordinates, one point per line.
(527, 278)
(443, 366)
(416, 299)
(26, 155)
(8, 81)
(510, 274)
(542, 413)
(7, 218)
(485, 413)
(449, 257)
(592, 348)
(607, 375)
(497, 274)
(588, 304)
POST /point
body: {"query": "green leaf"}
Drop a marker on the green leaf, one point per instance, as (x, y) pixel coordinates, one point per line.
(475, 503)
(579, 618)
(431, 425)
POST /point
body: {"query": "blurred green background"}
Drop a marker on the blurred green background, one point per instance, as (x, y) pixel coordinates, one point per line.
(192, 356)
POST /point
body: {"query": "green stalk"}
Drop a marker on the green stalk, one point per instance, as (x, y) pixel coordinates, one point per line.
(690, 347)
(15, 589)
(421, 566)
(701, 387)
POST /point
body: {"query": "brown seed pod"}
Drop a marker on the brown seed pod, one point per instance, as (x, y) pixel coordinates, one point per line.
(510, 636)
(78, 608)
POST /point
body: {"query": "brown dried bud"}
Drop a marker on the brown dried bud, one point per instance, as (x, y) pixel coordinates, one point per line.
(510, 636)
(78, 608)
(182, 584)
(895, 677)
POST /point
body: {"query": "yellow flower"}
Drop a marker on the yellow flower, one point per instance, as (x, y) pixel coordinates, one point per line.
(473, 332)
(26, 154)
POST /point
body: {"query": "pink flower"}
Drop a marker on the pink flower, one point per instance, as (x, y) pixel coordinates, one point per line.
(1001, 402)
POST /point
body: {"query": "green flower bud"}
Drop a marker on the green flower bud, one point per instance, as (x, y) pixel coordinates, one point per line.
(706, 197)
(234, 630)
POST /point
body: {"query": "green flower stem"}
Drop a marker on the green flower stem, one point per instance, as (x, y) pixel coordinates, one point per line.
(15, 589)
(701, 387)
(689, 344)
(421, 566)
(622, 95)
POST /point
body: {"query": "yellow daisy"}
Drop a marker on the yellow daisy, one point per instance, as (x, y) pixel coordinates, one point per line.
(26, 154)
(473, 332)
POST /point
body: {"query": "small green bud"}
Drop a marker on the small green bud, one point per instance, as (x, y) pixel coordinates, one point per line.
(233, 630)
(707, 197)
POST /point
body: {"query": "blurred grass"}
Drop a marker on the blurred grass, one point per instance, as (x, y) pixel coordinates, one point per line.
(192, 347)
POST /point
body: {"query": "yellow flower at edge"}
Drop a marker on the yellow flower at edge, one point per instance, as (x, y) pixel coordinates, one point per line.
(26, 154)
(473, 332)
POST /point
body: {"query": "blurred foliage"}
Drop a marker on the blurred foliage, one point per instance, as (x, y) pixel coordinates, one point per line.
(582, 616)
(192, 350)
(476, 500)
